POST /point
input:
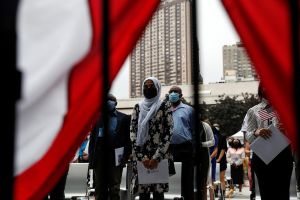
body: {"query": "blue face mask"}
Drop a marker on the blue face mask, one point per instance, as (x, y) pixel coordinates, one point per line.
(174, 97)
(111, 105)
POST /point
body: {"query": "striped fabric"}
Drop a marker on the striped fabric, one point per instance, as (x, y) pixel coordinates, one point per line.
(60, 58)
(266, 113)
(259, 116)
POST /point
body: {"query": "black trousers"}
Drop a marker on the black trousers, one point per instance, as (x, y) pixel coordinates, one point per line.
(202, 172)
(107, 178)
(274, 178)
(252, 195)
(156, 196)
(184, 153)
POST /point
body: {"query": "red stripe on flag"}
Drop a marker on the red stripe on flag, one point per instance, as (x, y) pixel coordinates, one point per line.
(127, 21)
(264, 115)
(265, 29)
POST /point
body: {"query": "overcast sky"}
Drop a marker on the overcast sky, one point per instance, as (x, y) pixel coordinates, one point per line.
(215, 30)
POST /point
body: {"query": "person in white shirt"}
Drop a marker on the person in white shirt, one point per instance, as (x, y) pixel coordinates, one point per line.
(257, 120)
(207, 140)
(235, 156)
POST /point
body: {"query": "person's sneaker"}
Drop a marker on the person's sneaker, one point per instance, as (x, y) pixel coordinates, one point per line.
(298, 195)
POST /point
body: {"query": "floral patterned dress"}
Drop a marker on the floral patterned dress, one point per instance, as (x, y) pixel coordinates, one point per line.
(156, 147)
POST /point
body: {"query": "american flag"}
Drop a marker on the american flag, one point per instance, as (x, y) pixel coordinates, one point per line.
(266, 114)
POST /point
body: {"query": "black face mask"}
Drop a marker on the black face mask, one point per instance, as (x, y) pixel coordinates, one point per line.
(149, 93)
(235, 145)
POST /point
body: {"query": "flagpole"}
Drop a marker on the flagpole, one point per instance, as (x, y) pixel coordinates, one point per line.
(296, 62)
(195, 77)
(105, 75)
(11, 93)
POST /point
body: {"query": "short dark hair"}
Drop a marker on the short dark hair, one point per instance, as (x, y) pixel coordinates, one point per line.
(261, 92)
(175, 88)
(111, 97)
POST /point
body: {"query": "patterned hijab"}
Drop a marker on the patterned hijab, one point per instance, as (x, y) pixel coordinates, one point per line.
(148, 109)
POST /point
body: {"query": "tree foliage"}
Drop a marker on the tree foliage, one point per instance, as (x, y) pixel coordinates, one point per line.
(229, 112)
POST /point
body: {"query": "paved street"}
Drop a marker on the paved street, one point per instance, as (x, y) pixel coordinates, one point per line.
(76, 184)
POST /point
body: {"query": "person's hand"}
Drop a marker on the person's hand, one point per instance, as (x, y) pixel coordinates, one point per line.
(153, 164)
(263, 132)
(146, 162)
(280, 126)
(130, 157)
(218, 160)
(85, 156)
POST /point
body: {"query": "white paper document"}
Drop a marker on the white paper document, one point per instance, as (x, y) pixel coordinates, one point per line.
(158, 175)
(119, 152)
(268, 149)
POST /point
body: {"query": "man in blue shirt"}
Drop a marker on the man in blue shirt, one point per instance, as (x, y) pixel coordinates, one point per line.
(182, 142)
(103, 152)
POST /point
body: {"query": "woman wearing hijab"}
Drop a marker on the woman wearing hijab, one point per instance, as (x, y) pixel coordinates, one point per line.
(150, 133)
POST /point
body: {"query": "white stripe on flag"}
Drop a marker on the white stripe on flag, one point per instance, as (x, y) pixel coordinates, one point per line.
(265, 115)
(48, 47)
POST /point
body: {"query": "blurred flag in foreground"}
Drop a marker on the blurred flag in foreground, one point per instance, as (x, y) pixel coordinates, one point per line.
(265, 28)
(59, 55)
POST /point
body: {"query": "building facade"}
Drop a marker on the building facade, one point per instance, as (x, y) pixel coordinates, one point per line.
(164, 49)
(237, 65)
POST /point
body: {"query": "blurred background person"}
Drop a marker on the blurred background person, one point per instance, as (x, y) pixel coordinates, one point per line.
(83, 153)
(208, 141)
(235, 157)
(103, 152)
(221, 159)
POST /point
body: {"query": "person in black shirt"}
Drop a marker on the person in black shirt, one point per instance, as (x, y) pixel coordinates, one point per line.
(221, 159)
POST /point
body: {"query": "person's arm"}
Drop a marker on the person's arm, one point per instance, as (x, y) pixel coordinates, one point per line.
(136, 150)
(92, 145)
(166, 135)
(222, 153)
(247, 149)
(241, 159)
(228, 156)
(251, 122)
(210, 140)
(127, 141)
(214, 153)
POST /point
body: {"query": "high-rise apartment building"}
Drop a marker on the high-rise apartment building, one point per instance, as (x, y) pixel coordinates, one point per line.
(237, 66)
(164, 49)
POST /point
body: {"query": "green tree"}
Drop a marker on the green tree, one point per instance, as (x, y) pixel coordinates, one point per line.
(229, 112)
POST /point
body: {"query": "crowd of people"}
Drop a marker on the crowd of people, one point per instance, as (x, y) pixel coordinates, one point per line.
(164, 131)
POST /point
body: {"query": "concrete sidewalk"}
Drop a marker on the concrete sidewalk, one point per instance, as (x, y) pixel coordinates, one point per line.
(245, 194)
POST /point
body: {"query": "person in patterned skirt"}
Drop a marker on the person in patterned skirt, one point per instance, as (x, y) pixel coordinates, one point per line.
(150, 132)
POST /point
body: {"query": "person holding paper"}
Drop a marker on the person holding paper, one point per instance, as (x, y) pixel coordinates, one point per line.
(274, 177)
(108, 157)
(150, 133)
